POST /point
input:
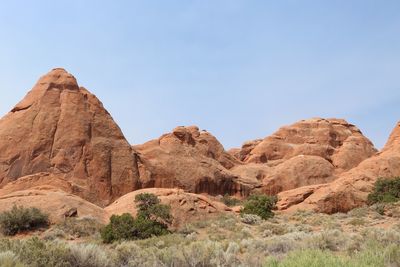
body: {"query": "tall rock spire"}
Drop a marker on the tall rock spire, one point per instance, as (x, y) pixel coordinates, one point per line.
(63, 129)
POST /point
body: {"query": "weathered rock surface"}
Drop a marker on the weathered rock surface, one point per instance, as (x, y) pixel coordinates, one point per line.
(306, 153)
(185, 207)
(351, 189)
(62, 129)
(297, 172)
(335, 140)
(189, 159)
(54, 202)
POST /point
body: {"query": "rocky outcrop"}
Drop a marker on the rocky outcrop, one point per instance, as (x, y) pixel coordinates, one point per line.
(54, 202)
(62, 129)
(335, 140)
(308, 152)
(297, 172)
(185, 207)
(351, 189)
(189, 159)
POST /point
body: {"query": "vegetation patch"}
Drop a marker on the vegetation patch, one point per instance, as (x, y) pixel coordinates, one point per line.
(152, 219)
(261, 205)
(230, 201)
(386, 190)
(20, 219)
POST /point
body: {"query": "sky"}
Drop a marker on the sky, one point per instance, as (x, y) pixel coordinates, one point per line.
(239, 69)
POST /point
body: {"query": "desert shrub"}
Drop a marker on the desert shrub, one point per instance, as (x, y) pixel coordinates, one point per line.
(8, 259)
(152, 220)
(385, 191)
(151, 209)
(333, 240)
(89, 255)
(357, 221)
(307, 258)
(251, 219)
(121, 227)
(379, 208)
(79, 227)
(146, 228)
(230, 201)
(53, 234)
(274, 228)
(37, 253)
(261, 205)
(20, 219)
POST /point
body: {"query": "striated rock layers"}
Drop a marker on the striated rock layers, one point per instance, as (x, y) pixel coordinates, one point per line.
(62, 129)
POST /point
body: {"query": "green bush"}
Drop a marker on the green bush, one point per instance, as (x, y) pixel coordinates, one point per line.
(261, 205)
(152, 220)
(20, 219)
(120, 228)
(385, 191)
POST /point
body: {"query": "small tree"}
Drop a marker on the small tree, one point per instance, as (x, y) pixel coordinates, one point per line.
(261, 205)
(152, 220)
(385, 190)
(120, 227)
(151, 209)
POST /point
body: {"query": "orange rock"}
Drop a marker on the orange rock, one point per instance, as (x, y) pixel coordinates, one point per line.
(335, 140)
(297, 172)
(351, 189)
(189, 159)
(53, 202)
(61, 128)
(185, 207)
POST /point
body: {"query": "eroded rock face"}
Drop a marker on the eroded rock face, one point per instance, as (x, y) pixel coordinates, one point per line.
(351, 189)
(54, 202)
(308, 152)
(189, 159)
(297, 172)
(62, 129)
(335, 140)
(185, 207)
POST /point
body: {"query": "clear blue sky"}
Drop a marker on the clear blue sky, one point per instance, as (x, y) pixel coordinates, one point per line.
(237, 68)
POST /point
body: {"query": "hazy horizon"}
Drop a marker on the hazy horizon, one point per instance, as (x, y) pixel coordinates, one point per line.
(239, 69)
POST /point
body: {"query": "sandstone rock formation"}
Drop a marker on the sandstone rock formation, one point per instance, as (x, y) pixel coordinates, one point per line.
(297, 172)
(53, 202)
(351, 189)
(185, 207)
(189, 159)
(62, 129)
(306, 153)
(60, 143)
(335, 140)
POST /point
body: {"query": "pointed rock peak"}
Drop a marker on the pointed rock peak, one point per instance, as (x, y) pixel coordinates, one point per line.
(58, 78)
(394, 139)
